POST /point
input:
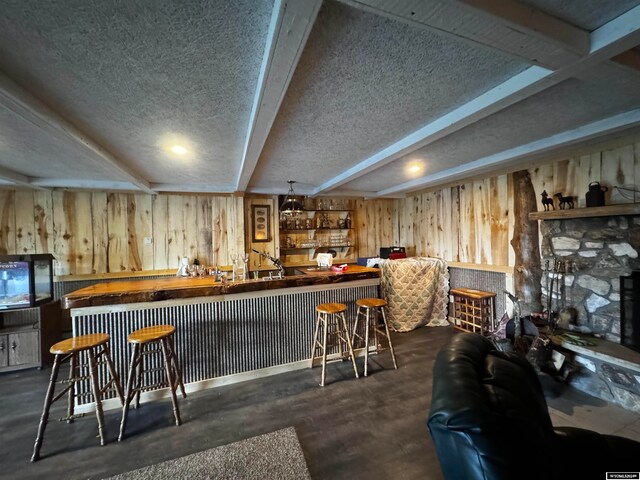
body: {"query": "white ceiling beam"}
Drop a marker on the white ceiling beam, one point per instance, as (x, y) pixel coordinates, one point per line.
(291, 23)
(17, 178)
(513, 90)
(192, 188)
(519, 31)
(533, 22)
(17, 100)
(523, 153)
(609, 40)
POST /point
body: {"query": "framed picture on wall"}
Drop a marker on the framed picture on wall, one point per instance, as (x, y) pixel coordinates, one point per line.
(260, 223)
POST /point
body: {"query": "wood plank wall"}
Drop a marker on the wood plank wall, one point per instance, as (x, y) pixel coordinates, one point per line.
(473, 222)
(98, 232)
(466, 223)
(376, 223)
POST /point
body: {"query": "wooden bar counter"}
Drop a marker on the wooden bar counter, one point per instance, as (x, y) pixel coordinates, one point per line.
(226, 332)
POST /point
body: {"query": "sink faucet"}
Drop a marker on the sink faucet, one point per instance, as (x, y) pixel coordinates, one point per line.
(275, 261)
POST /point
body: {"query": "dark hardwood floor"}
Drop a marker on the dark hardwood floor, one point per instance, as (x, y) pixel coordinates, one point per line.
(373, 427)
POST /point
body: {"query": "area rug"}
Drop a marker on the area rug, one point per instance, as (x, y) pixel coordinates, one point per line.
(276, 455)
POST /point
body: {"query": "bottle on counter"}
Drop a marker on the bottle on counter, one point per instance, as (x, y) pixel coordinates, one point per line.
(347, 221)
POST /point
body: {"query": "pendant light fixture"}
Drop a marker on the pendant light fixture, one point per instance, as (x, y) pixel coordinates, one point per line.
(291, 204)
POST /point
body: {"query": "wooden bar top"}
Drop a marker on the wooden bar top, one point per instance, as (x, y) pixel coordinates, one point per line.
(158, 289)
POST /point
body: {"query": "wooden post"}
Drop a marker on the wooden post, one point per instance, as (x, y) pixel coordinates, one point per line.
(527, 271)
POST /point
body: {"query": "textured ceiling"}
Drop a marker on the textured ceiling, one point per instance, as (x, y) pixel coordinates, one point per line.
(130, 73)
(558, 109)
(342, 96)
(364, 82)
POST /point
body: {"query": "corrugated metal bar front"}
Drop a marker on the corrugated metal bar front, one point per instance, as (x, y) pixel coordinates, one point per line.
(215, 339)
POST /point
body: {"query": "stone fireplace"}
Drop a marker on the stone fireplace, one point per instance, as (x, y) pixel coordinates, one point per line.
(597, 252)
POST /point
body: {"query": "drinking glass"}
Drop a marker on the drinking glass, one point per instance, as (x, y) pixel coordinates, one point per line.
(191, 270)
(245, 260)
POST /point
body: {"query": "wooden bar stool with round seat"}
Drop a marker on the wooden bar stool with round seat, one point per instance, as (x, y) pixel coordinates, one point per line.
(95, 345)
(142, 339)
(373, 311)
(331, 317)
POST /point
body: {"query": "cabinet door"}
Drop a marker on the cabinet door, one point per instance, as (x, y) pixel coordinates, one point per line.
(4, 351)
(24, 348)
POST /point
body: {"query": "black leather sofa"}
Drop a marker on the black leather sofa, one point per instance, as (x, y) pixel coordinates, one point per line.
(489, 420)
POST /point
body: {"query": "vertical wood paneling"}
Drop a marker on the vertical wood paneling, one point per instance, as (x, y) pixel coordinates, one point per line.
(7, 222)
(499, 197)
(589, 170)
(82, 236)
(361, 227)
(237, 222)
(483, 221)
(203, 220)
(100, 232)
(175, 231)
(618, 169)
(139, 219)
(190, 226)
(445, 226)
(43, 216)
(220, 234)
(542, 180)
(61, 234)
(117, 247)
(467, 224)
(455, 223)
(25, 222)
(160, 212)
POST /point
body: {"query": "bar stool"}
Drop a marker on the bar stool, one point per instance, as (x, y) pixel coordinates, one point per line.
(141, 340)
(331, 316)
(70, 349)
(365, 306)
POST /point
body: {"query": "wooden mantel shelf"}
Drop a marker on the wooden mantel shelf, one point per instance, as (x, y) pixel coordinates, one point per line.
(606, 211)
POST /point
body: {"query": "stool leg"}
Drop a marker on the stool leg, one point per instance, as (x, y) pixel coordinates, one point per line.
(355, 327)
(314, 341)
(45, 411)
(127, 399)
(139, 374)
(71, 399)
(170, 379)
(386, 329)
(93, 369)
(176, 366)
(366, 342)
(324, 347)
(114, 374)
(335, 324)
(346, 333)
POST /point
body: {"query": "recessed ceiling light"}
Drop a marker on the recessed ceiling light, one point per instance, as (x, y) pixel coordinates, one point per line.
(414, 168)
(178, 149)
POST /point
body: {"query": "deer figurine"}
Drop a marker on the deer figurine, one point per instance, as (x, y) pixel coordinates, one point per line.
(546, 201)
(564, 200)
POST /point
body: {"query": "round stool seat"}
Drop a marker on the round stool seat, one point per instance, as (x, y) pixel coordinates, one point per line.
(149, 334)
(331, 308)
(77, 344)
(371, 302)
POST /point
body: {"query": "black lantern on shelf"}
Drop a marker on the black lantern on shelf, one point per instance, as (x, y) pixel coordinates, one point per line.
(291, 204)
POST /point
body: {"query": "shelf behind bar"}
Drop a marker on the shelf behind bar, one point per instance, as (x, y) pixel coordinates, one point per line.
(606, 211)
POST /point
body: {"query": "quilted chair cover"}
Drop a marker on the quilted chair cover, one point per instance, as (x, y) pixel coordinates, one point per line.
(417, 292)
